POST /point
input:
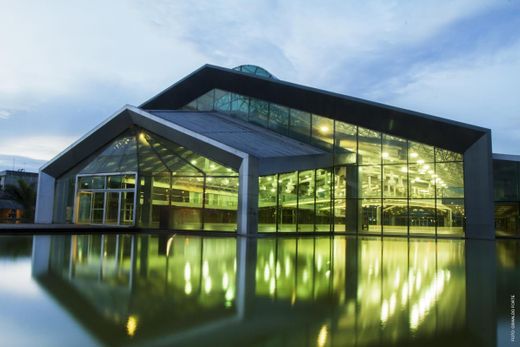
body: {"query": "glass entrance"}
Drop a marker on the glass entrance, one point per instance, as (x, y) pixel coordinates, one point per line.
(107, 199)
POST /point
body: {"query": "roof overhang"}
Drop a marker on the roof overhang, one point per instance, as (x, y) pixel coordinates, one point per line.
(420, 127)
(130, 116)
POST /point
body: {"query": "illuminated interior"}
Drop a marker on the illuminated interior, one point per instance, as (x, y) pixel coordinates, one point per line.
(175, 189)
(379, 184)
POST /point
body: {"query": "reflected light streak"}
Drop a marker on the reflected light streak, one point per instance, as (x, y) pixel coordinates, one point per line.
(322, 336)
(131, 325)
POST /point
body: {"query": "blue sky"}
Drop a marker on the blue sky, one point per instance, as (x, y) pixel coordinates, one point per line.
(65, 66)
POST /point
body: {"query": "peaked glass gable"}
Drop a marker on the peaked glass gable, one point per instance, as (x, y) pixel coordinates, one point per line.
(174, 187)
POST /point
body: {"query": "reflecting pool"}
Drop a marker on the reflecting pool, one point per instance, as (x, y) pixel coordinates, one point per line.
(163, 290)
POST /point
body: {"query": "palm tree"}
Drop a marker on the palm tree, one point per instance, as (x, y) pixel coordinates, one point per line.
(25, 194)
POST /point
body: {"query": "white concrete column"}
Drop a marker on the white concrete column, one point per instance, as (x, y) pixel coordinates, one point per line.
(44, 199)
(247, 217)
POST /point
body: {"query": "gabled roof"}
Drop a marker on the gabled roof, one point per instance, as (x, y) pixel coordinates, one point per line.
(420, 127)
(217, 137)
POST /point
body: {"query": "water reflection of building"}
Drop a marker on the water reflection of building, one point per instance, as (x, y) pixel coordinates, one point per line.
(141, 289)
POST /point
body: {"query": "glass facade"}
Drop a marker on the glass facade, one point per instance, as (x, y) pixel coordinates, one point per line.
(144, 180)
(379, 184)
(506, 175)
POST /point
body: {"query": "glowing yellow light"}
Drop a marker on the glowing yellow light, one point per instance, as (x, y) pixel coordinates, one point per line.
(266, 272)
(187, 272)
(131, 325)
(194, 162)
(420, 161)
(293, 298)
(426, 167)
(414, 318)
(414, 155)
(278, 269)
(225, 280)
(287, 266)
(385, 155)
(169, 245)
(404, 169)
(393, 301)
(188, 288)
(322, 336)
(230, 294)
(305, 276)
(207, 285)
(142, 137)
(397, 279)
(272, 286)
(319, 262)
(384, 311)
(324, 129)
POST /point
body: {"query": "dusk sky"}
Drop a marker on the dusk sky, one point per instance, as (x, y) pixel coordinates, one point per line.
(67, 65)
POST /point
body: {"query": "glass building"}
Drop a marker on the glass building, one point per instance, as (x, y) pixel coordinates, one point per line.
(239, 150)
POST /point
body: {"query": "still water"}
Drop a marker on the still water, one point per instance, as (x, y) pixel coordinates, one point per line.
(147, 290)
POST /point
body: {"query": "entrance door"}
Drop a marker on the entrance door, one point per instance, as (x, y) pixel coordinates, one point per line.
(84, 207)
(109, 202)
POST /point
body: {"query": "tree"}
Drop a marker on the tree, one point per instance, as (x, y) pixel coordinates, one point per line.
(25, 194)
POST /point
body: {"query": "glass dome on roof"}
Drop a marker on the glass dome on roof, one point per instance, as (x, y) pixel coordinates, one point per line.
(254, 70)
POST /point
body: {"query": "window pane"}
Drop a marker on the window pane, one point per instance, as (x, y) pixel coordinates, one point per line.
(395, 216)
(394, 150)
(370, 216)
(222, 100)
(279, 118)
(422, 181)
(186, 197)
(306, 201)
(267, 190)
(221, 203)
(419, 153)
(507, 218)
(111, 207)
(300, 126)
(370, 181)
(340, 182)
(445, 155)
(369, 146)
(160, 201)
(239, 106)
(287, 200)
(259, 112)
(119, 156)
(114, 182)
(339, 217)
(97, 207)
(127, 208)
(506, 178)
(450, 216)
(450, 180)
(322, 131)
(323, 200)
(395, 181)
(422, 216)
(345, 143)
(205, 102)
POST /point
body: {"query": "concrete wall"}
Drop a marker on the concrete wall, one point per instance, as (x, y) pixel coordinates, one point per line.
(478, 190)
(44, 199)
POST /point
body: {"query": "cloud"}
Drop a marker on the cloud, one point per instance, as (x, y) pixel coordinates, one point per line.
(40, 147)
(67, 66)
(4, 114)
